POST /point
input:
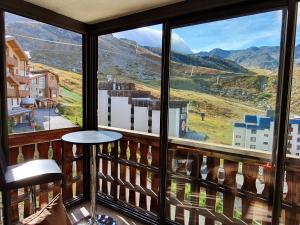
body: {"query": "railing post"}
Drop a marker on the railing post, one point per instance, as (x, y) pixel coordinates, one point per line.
(230, 169)
(250, 173)
(211, 194)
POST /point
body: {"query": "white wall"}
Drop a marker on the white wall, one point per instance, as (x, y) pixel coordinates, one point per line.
(155, 121)
(141, 119)
(263, 138)
(103, 107)
(294, 141)
(120, 112)
(238, 139)
(174, 119)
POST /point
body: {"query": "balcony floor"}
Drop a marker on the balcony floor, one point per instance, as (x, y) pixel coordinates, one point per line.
(78, 213)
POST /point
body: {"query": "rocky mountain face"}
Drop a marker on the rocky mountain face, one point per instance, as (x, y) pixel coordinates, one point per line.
(262, 57)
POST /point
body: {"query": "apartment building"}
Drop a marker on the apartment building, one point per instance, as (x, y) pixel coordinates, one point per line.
(255, 132)
(121, 105)
(17, 71)
(44, 87)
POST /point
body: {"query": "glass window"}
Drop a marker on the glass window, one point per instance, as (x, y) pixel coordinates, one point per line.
(253, 131)
(44, 83)
(224, 75)
(129, 77)
(253, 139)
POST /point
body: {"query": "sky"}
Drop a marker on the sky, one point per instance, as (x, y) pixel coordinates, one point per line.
(238, 33)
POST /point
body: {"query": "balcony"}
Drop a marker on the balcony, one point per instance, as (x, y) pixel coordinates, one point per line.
(12, 93)
(22, 79)
(23, 93)
(129, 178)
(10, 61)
(15, 93)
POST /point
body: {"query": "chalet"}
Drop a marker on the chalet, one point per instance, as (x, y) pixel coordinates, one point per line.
(17, 79)
(44, 87)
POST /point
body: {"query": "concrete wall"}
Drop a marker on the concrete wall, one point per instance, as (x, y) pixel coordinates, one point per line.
(103, 107)
(174, 119)
(120, 112)
(141, 119)
(294, 142)
(155, 121)
(261, 140)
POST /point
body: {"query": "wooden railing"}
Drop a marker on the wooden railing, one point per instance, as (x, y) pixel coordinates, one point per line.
(12, 93)
(28, 146)
(23, 93)
(206, 183)
(129, 174)
(10, 61)
(22, 79)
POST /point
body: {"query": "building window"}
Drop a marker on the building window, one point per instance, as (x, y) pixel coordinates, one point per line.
(298, 147)
(238, 144)
(253, 139)
(266, 135)
(253, 131)
(253, 146)
(297, 154)
(238, 136)
(298, 139)
(266, 143)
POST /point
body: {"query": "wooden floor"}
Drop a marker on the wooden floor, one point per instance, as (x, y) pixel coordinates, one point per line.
(80, 212)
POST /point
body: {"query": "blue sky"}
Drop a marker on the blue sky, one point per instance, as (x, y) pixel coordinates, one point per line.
(238, 33)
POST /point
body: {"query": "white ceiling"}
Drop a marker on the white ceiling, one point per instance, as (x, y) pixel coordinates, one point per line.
(91, 11)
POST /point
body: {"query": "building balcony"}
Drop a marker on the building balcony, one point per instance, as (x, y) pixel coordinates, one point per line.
(22, 79)
(24, 93)
(200, 178)
(12, 93)
(10, 61)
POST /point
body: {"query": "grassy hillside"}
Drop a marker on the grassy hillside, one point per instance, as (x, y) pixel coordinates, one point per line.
(221, 112)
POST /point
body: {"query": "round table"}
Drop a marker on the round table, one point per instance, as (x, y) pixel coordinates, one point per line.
(92, 138)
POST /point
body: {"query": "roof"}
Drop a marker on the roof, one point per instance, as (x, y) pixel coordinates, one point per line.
(18, 111)
(294, 121)
(255, 122)
(27, 101)
(99, 10)
(14, 44)
(43, 72)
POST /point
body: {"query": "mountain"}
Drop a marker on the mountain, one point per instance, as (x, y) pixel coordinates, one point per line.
(257, 57)
(213, 61)
(47, 44)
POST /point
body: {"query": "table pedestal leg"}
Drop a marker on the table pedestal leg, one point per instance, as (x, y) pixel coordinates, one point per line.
(93, 185)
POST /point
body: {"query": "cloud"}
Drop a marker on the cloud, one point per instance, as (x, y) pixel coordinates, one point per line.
(147, 36)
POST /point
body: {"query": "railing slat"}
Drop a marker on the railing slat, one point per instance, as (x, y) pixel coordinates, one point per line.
(250, 173)
(212, 176)
(12, 160)
(43, 154)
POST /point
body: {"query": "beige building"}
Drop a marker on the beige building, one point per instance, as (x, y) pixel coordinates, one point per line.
(17, 72)
(44, 87)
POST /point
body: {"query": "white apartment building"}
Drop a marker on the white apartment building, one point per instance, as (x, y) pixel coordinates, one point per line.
(256, 132)
(294, 136)
(121, 106)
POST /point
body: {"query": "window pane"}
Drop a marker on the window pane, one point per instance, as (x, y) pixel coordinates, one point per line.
(129, 79)
(44, 76)
(223, 87)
